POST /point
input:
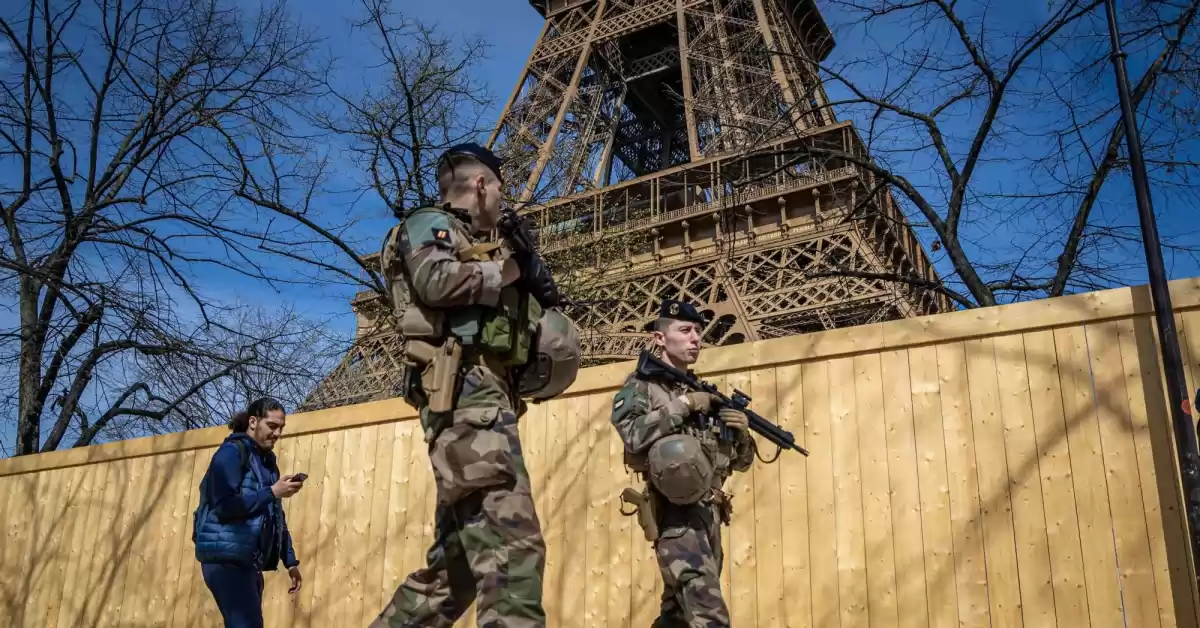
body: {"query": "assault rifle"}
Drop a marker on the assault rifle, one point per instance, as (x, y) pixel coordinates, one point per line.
(654, 368)
(535, 276)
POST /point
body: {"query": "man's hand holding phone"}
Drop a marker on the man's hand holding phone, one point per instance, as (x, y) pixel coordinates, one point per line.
(288, 485)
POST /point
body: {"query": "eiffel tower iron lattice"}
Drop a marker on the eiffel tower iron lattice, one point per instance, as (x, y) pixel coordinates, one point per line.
(686, 149)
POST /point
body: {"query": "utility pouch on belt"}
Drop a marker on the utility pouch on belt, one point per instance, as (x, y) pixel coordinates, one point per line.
(440, 375)
(644, 507)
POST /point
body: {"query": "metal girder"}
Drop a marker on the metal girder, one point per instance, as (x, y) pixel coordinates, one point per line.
(750, 228)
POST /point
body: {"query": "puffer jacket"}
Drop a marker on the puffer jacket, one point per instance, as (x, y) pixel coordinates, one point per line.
(239, 521)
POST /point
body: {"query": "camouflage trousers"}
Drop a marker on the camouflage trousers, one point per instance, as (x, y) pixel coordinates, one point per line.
(488, 544)
(689, 558)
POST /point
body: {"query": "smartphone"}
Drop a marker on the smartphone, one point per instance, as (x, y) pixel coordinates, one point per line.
(300, 477)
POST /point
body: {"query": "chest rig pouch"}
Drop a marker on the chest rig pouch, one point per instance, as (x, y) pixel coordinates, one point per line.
(436, 341)
(507, 331)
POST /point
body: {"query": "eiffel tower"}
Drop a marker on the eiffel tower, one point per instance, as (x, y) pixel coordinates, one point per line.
(686, 149)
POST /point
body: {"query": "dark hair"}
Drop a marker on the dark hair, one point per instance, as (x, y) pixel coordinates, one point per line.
(259, 408)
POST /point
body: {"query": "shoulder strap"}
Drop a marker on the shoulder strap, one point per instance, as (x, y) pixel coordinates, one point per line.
(243, 453)
(478, 252)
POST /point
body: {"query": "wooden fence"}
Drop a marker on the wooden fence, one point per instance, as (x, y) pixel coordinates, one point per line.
(1002, 467)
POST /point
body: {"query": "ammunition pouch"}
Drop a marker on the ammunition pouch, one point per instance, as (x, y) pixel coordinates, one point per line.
(645, 507)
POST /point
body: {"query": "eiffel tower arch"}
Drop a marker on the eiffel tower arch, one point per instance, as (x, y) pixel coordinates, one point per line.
(685, 149)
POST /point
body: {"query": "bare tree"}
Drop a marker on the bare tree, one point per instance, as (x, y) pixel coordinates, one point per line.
(393, 134)
(386, 139)
(115, 126)
(999, 131)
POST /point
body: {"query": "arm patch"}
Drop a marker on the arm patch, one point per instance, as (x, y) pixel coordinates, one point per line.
(429, 227)
(629, 401)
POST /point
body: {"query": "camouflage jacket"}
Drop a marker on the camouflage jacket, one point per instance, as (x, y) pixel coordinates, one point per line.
(645, 411)
(423, 262)
(428, 243)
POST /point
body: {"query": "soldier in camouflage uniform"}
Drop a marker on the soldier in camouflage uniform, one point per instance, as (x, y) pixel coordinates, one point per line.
(651, 416)
(487, 534)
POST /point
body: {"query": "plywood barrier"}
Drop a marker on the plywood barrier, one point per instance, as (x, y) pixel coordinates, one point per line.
(1002, 467)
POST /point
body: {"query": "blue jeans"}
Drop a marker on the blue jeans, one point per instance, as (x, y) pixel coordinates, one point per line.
(238, 591)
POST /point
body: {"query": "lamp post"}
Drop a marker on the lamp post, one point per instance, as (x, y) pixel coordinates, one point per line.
(1168, 340)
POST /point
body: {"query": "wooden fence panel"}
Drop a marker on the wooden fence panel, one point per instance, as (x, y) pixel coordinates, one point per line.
(1006, 467)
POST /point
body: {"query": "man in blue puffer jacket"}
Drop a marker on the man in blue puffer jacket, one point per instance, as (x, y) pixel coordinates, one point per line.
(239, 527)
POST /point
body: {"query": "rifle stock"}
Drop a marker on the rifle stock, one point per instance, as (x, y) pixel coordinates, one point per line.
(650, 366)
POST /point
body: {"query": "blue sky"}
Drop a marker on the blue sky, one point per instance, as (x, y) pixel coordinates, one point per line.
(511, 27)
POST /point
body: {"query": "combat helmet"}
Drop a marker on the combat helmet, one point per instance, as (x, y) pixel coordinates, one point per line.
(554, 362)
(679, 469)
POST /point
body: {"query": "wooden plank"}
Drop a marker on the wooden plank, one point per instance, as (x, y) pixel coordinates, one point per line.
(1058, 491)
(621, 530)
(1155, 466)
(1029, 516)
(189, 577)
(793, 476)
(741, 598)
(822, 504)
(345, 563)
(307, 526)
(377, 543)
(394, 569)
(57, 554)
(970, 571)
(768, 518)
(574, 511)
(140, 589)
(95, 588)
(600, 492)
(1138, 597)
(912, 605)
(136, 505)
(325, 585)
(276, 583)
(876, 496)
(295, 507)
(74, 507)
(847, 473)
(1087, 471)
(1003, 586)
(356, 537)
(20, 541)
(7, 601)
(176, 537)
(87, 511)
(558, 484)
(44, 550)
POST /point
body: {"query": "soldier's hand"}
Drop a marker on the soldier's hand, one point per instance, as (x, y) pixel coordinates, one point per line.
(700, 401)
(735, 419)
(510, 272)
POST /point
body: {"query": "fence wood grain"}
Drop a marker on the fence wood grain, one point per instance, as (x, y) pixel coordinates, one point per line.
(1004, 467)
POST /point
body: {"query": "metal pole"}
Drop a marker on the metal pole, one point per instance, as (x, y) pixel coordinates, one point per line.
(1168, 340)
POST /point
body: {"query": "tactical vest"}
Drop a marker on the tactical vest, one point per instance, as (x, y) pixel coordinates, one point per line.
(505, 332)
(719, 453)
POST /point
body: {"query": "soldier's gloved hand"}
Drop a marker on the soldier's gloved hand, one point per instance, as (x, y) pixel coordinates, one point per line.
(700, 401)
(735, 419)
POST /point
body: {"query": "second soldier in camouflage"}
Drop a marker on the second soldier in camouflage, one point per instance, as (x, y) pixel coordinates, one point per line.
(686, 461)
